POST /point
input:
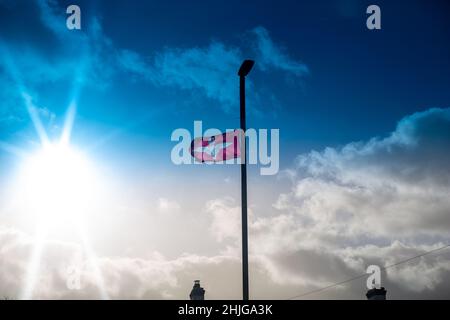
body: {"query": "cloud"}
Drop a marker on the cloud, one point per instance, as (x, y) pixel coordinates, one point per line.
(391, 186)
(272, 56)
(88, 57)
(75, 56)
(27, 67)
(153, 277)
(167, 205)
(372, 202)
(375, 202)
(211, 69)
(15, 106)
(225, 218)
(381, 200)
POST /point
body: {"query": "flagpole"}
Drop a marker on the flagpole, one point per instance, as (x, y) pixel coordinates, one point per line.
(243, 71)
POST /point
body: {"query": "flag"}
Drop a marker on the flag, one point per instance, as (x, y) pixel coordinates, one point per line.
(217, 148)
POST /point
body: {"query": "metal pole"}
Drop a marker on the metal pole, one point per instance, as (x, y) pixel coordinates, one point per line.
(245, 68)
(245, 291)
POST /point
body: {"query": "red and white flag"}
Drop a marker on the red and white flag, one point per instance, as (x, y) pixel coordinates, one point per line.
(217, 148)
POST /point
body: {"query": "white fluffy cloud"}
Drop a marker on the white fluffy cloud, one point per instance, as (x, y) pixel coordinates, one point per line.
(375, 202)
(392, 187)
(225, 218)
(153, 277)
(371, 202)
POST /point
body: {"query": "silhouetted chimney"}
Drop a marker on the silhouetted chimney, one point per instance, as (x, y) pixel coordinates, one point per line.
(197, 293)
(376, 294)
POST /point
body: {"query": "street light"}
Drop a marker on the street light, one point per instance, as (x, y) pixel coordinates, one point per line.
(244, 70)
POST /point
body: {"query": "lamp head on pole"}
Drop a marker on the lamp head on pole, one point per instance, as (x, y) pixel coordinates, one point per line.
(245, 68)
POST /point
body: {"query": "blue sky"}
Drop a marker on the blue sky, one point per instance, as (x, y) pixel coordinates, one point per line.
(352, 105)
(356, 84)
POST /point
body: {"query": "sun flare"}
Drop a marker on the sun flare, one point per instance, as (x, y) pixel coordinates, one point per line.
(57, 184)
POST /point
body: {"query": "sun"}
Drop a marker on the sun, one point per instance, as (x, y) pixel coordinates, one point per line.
(58, 188)
(57, 184)
(57, 191)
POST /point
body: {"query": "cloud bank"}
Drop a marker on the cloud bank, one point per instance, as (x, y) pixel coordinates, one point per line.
(375, 202)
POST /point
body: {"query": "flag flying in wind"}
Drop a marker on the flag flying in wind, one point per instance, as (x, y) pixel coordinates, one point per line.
(216, 148)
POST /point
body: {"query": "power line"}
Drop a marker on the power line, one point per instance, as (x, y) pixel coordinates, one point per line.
(365, 274)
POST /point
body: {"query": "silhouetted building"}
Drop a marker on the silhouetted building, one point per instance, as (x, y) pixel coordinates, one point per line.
(197, 293)
(376, 294)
